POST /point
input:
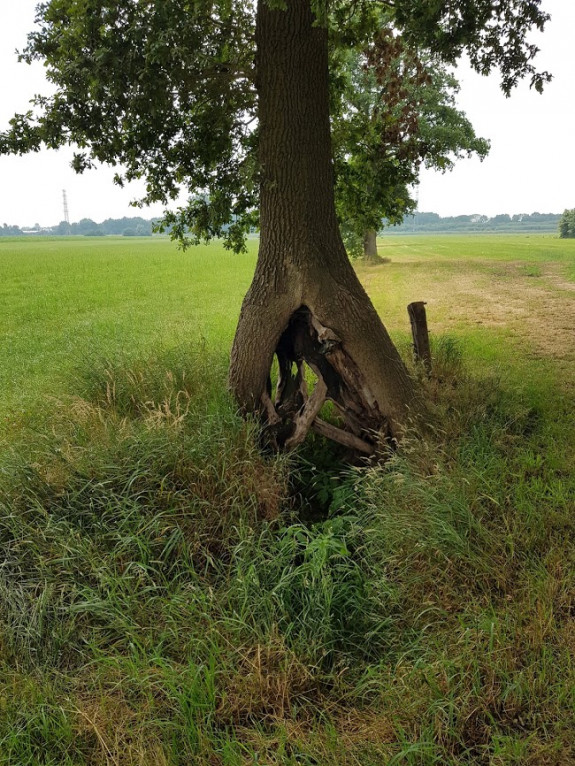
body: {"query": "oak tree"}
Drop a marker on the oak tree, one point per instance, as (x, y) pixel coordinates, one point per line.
(394, 112)
(231, 98)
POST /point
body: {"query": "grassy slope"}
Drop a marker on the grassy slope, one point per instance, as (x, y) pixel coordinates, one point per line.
(162, 603)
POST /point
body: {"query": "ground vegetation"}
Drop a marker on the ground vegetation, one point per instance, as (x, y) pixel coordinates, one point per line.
(170, 595)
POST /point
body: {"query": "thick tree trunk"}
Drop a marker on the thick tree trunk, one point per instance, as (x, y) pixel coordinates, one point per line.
(305, 303)
(370, 245)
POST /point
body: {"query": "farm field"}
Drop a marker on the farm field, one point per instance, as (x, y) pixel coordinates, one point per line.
(171, 595)
(67, 299)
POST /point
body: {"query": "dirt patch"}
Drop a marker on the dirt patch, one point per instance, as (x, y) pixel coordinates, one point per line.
(531, 302)
(556, 277)
(539, 310)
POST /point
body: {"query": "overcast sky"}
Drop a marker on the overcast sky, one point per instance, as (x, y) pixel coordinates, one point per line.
(531, 166)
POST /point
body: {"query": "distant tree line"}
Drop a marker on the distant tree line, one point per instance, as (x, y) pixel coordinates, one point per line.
(567, 224)
(10, 231)
(432, 222)
(120, 227)
(418, 223)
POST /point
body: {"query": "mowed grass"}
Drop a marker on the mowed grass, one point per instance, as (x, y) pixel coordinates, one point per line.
(165, 597)
(66, 300)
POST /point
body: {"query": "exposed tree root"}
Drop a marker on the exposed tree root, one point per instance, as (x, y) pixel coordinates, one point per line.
(306, 342)
(345, 438)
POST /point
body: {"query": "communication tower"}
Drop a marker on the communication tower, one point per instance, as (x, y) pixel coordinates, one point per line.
(66, 212)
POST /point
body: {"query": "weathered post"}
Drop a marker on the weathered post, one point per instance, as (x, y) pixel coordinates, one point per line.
(418, 319)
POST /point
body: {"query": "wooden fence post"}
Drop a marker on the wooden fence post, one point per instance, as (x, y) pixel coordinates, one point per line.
(418, 319)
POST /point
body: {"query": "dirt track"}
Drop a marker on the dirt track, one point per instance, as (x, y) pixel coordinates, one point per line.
(533, 303)
(539, 309)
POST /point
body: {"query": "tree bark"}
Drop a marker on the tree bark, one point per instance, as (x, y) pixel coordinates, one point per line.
(370, 245)
(305, 303)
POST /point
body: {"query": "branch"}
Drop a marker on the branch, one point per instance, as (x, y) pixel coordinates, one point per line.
(305, 418)
(227, 72)
(342, 437)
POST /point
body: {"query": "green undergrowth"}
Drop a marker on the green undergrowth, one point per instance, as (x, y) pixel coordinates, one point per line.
(167, 597)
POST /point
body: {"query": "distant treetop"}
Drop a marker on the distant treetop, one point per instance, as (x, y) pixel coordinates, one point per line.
(567, 224)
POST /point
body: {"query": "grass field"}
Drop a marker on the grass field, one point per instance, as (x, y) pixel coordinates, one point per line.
(68, 299)
(165, 597)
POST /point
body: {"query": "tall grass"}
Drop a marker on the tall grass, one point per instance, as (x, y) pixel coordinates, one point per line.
(165, 597)
(169, 595)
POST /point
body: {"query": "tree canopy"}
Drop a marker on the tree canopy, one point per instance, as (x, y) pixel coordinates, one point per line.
(567, 224)
(395, 111)
(166, 91)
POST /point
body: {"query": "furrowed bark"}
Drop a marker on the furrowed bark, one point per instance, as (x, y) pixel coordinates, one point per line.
(370, 245)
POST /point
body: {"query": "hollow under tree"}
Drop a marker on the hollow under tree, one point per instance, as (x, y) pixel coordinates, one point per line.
(231, 102)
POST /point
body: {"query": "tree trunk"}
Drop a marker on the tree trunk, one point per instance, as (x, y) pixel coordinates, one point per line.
(305, 303)
(370, 245)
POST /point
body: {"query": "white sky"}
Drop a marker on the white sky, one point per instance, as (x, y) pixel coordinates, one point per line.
(530, 168)
(531, 165)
